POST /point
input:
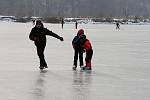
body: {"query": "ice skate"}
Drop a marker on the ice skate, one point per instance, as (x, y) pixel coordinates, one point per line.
(88, 68)
(74, 67)
(41, 68)
(45, 66)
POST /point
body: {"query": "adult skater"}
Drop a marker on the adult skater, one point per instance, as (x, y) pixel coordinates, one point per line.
(76, 24)
(62, 23)
(78, 50)
(117, 25)
(33, 21)
(89, 52)
(38, 35)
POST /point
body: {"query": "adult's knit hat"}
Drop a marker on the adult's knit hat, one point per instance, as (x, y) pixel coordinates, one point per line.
(80, 32)
(38, 22)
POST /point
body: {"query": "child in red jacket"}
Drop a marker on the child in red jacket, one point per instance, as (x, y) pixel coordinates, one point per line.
(89, 52)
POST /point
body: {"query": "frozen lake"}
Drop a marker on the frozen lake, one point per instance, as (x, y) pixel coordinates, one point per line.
(121, 64)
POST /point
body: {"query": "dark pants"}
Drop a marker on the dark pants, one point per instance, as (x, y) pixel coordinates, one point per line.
(117, 27)
(76, 53)
(40, 53)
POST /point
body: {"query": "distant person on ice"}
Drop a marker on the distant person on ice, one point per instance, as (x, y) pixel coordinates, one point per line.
(62, 23)
(38, 35)
(78, 50)
(117, 25)
(33, 21)
(86, 45)
(76, 24)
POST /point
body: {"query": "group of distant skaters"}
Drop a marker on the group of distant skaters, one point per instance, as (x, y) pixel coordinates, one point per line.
(62, 24)
(80, 44)
(76, 24)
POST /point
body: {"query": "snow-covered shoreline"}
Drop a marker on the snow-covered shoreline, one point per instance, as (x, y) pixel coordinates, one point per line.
(131, 21)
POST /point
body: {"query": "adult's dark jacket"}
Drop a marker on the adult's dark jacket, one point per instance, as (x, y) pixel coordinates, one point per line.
(38, 35)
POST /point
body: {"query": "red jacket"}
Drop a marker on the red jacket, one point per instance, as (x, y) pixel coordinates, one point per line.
(87, 45)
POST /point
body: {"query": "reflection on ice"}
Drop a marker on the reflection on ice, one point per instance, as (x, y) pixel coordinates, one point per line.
(39, 88)
(81, 85)
(63, 85)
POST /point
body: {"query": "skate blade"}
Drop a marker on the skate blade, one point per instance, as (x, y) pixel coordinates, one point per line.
(43, 70)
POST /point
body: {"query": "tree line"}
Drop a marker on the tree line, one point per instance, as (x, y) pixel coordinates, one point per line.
(75, 8)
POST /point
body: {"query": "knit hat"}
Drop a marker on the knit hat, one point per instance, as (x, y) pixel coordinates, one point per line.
(39, 22)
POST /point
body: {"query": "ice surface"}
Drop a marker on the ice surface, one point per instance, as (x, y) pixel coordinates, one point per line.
(121, 64)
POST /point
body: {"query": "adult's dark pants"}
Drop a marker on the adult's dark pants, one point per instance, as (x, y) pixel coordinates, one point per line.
(78, 52)
(40, 53)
